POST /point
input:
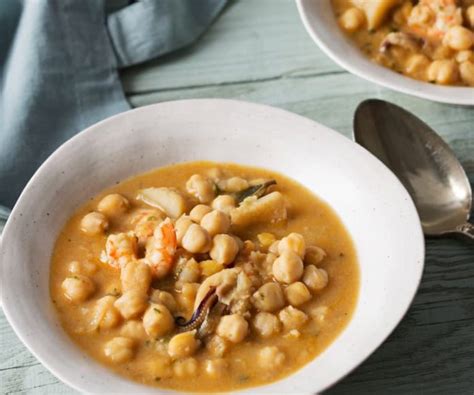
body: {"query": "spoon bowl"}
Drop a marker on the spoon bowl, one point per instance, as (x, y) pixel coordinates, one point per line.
(422, 161)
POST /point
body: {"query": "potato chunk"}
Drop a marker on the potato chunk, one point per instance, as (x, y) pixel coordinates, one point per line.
(269, 208)
(375, 10)
(166, 199)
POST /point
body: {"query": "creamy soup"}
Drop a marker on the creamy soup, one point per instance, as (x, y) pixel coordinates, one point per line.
(204, 277)
(429, 40)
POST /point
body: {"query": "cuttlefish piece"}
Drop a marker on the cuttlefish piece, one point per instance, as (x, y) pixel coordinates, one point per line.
(403, 40)
(221, 281)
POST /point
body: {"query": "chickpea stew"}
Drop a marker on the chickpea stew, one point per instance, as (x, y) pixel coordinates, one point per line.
(204, 276)
(428, 40)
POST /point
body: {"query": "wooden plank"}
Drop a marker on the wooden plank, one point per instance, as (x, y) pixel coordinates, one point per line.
(251, 40)
(331, 100)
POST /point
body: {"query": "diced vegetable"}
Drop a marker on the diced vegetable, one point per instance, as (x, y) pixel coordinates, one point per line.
(166, 199)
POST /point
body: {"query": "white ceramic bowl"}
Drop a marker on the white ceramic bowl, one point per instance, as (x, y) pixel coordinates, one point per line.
(320, 22)
(374, 206)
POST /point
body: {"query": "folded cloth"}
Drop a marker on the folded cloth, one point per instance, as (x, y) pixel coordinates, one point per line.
(59, 62)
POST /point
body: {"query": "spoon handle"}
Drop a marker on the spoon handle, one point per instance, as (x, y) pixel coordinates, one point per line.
(466, 229)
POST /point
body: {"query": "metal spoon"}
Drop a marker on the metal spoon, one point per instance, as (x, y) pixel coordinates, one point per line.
(423, 162)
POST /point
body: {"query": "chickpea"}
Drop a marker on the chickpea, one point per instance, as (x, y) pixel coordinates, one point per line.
(269, 297)
(314, 255)
(466, 70)
(216, 222)
(183, 345)
(106, 316)
(119, 349)
(132, 303)
(196, 239)
(224, 249)
(158, 321)
(297, 294)
(224, 203)
(201, 187)
(352, 19)
(421, 15)
(233, 184)
(113, 205)
(186, 368)
(217, 346)
(215, 368)
(133, 329)
(271, 358)
(160, 366)
(315, 279)
(464, 56)
(135, 275)
(233, 327)
(470, 16)
(210, 267)
(78, 288)
(292, 318)
(181, 226)
(274, 247)
(266, 239)
(266, 324)
(94, 224)
(293, 242)
(288, 267)
(443, 71)
(87, 268)
(163, 297)
(319, 313)
(458, 38)
(198, 212)
(191, 272)
(416, 65)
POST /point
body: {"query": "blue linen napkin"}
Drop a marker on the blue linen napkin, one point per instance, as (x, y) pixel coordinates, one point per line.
(59, 62)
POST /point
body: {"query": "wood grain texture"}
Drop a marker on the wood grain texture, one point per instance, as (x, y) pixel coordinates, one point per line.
(259, 51)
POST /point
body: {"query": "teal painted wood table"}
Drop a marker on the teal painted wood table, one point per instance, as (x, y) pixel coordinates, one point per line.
(259, 51)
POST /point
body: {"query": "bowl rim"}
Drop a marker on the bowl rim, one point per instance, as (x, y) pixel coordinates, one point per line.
(91, 129)
(438, 93)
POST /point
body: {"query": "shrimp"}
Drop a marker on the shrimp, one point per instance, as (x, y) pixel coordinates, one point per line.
(120, 249)
(161, 249)
(145, 222)
(431, 19)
